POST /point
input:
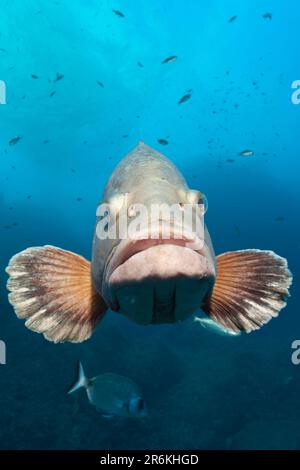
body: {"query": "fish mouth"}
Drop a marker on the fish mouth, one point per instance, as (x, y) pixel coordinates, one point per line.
(144, 240)
(163, 267)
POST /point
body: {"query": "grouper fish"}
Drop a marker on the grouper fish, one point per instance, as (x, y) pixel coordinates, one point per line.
(150, 280)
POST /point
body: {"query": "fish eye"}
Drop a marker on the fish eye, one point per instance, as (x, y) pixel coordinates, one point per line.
(203, 203)
(140, 404)
(136, 406)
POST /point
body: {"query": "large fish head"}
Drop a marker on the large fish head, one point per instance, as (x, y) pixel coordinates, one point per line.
(162, 267)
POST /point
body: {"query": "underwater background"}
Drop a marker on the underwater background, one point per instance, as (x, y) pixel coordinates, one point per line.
(84, 85)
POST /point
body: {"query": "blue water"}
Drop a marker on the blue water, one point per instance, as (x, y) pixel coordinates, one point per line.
(203, 391)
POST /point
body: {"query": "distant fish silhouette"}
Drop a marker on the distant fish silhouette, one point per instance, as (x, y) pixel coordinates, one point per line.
(162, 141)
(268, 16)
(169, 59)
(15, 140)
(119, 13)
(100, 84)
(140, 64)
(52, 93)
(35, 77)
(279, 219)
(59, 77)
(233, 18)
(185, 98)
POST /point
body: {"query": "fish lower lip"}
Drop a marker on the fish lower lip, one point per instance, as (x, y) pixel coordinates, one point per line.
(130, 247)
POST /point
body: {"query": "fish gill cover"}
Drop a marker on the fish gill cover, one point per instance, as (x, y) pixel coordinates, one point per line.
(214, 86)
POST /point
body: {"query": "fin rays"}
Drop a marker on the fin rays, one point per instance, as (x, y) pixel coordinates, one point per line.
(52, 290)
(250, 289)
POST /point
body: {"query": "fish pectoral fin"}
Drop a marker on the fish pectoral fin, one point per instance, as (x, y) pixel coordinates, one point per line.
(251, 288)
(52, 290)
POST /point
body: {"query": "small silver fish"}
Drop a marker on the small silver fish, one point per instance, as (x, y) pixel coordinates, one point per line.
(215, 327)
(246, 153)
(112, 394)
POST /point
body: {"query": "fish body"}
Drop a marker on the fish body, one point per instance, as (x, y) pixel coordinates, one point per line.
(59, 76)
(246, 153)
(268, 16)
(185, 98)
(162, 141)
(112, 394)
(169, 59)
(160, 269)
(119, 13)
(15, 140)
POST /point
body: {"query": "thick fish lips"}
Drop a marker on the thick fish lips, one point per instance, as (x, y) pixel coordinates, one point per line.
(158, 280)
